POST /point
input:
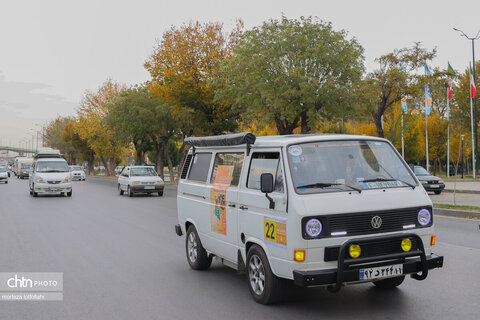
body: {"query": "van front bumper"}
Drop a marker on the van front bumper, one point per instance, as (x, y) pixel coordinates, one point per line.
(348, 270)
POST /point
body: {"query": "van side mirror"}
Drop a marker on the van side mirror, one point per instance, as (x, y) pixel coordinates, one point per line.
(266, 186)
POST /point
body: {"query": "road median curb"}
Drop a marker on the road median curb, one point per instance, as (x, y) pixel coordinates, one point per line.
(457, 213)
(462, 191)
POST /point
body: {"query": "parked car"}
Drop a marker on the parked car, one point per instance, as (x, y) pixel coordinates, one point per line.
(319, 210)
(429, 181)
(140, 179)
(4, 174)
(77, 173)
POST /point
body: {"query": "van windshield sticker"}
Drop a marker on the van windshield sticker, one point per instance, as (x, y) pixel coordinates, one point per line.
(275, 231)
(218, 196)
(295, 150)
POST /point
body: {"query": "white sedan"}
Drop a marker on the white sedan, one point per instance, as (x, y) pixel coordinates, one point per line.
(140, 179)
(4, 175)
(77, 173)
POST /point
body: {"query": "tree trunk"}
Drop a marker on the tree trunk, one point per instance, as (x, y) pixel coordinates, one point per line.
(91, 159)
(377, 119)
(159, 150)
(305, 128)
(105, 164)
(169, 161)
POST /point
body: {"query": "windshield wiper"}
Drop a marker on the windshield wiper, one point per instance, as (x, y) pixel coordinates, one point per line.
(322, 185)
(392, 179)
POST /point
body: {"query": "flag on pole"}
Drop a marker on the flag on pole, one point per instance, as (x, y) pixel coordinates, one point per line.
(450, 70)
(449, 92)
(473, 91)
(428, 101)
(404, 105)
(428, 72)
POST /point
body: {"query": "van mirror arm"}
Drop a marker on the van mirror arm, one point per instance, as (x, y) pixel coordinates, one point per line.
(272, 203)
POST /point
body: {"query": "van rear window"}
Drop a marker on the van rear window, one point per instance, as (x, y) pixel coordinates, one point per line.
(229, 159)
(200, 166)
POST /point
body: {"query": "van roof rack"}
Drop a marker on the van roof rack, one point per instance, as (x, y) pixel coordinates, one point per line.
(234, 139)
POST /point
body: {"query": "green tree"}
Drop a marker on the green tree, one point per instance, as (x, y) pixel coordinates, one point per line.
(288, 71)
(385, 86)
(54, 137)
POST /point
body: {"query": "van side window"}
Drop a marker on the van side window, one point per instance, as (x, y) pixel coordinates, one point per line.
(265, 162)
(229, 159)
(200, 166)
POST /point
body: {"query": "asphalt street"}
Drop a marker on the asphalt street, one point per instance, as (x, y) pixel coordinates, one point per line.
(121, 259)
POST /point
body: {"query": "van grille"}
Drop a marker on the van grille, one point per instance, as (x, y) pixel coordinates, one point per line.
(186, 166)
(361, 222)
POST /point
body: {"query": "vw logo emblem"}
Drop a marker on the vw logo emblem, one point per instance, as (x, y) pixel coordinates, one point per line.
(376, 222)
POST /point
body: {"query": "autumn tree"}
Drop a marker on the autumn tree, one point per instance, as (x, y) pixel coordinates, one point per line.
(182, 67)
(53, 136)
(71, 136)
(146, 121)
(92, 127)
(287, 71)
(395, 77)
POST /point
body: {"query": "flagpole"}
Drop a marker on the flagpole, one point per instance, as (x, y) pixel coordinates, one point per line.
(448, 133)
(471, 122)
(403, 143)
(426, 129)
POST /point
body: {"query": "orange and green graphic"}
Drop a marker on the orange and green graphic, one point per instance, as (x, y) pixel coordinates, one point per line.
(275, 231)
(218, 196)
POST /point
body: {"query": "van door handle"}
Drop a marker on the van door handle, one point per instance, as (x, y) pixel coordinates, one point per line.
(243, 208)
(232, 205)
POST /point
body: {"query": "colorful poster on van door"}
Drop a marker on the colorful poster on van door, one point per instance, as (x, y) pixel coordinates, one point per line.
(218, 196)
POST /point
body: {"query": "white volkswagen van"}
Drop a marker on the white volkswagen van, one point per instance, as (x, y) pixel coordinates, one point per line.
(321, 210)
(50, 174)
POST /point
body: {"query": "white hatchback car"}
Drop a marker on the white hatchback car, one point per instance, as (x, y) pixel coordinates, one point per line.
(140, 179)
(77, 173)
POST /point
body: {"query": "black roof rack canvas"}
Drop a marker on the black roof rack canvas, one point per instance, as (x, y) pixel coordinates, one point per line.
(46, 155)
(234, 139)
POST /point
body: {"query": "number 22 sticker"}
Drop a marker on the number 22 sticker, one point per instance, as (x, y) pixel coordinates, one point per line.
(275, 231)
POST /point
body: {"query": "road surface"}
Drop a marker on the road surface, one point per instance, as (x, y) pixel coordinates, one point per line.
(122, 260)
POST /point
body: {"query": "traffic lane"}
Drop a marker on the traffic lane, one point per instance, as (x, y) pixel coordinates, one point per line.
(457, 231)
(466, 199)
(121, 259)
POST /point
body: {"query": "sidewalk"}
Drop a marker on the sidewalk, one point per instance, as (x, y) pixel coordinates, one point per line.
(465, 186)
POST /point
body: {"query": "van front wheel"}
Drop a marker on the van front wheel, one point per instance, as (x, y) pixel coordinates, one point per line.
(389, 283)
(197, 256)
(264, 286)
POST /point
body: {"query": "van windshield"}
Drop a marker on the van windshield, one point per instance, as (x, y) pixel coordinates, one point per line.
(335, 166)
(52, 166)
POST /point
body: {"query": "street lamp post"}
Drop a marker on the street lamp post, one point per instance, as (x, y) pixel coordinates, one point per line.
(474, 99)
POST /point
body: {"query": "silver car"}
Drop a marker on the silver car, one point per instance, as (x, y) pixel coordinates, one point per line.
(140, 179)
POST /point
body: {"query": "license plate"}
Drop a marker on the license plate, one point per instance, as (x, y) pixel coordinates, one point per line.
(434, 186)
(381, 272)
(149, 187)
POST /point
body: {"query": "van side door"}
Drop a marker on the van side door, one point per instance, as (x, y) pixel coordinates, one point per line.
(223, 196)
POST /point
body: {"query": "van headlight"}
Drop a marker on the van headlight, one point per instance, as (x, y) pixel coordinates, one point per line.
(39, 180)
(424, 217)
(67, 179)
(313, 228)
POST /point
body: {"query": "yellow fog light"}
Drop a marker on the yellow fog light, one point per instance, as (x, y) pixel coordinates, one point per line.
(406, 244)
(355, 251)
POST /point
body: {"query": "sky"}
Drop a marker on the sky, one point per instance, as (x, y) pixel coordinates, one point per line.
(52, 51)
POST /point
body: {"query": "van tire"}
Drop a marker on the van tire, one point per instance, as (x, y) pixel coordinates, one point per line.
(389, 283)
(69, 194)
(160, 193)
(257, 267)
(197, 256)
(120, 191)
(129, 192)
